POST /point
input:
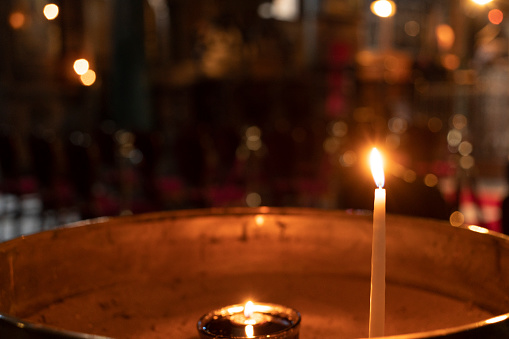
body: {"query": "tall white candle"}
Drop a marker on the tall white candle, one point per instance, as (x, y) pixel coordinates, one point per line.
(377, 297)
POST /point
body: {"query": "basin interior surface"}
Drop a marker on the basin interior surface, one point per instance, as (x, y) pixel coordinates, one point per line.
(154, 275)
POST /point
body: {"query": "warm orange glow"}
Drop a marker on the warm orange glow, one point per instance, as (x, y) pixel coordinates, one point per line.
(50, 11)
(377, 168)
(249, 314)
(17, 20)
(249, 331)
(430, 180)
(451, 62)
(264, 209)
(88, 79)
(495, 16)
(445, 36)
(383, 8)
(259, 220)
(482, 2)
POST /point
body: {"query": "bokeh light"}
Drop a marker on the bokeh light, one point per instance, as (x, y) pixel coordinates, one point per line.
(254, 145)
(391, 63)
(467, 162)
(445, 36)
(253, 140)
(435, 124)
(340, 128)
(451, 62)
(430, 180)
(348, 158)
(412, 28)
(88, 78)
(409, 176)
(367, 111)
(135, 156)
(383, 8)
(459, 121)
(456, 218)
(465, 148)
(50, 11)
(287, 10)
(265, 10)
(454, 137)
(81, 66)
(253, 133)
(17, 20)
(495, 16)
(397, 125)
(253, 199)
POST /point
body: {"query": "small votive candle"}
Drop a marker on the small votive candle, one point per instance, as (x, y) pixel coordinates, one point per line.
(253, 320)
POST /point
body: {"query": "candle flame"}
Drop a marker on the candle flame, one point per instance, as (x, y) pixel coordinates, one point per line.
(377, 168)
(249, 331)
(249, 309)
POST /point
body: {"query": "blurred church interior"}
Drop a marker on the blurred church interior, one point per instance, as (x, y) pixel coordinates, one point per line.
(112, 107)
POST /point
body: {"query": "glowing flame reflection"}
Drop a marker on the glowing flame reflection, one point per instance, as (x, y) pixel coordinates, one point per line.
(497, 319)
(478, 229)
(259, 220)
(249, 331)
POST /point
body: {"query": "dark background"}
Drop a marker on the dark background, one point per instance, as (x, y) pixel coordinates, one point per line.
(201, 103)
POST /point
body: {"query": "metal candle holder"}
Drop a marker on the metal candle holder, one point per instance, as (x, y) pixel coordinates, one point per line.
(157, 274)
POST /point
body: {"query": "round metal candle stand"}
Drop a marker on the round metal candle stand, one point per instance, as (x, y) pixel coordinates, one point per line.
(283, 323)
(158, 273)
